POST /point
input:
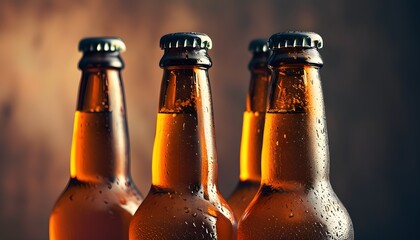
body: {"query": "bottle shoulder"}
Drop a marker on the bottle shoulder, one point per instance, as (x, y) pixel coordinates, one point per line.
(197, 199)
(244, 190)
(182, 216)
(315, 211)
(242, 195)
(99, 196)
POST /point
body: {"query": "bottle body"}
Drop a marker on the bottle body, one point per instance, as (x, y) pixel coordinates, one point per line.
(252, 129)
(295, 199)
(100, 198)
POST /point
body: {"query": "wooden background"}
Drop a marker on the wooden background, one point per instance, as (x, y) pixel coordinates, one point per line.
(369, 78)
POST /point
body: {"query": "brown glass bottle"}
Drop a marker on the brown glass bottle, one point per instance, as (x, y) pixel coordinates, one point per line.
(184, 200)
(295, 199)
(100, 198)
(252, 129)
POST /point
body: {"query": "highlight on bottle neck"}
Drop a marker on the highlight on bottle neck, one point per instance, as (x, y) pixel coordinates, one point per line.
(184, 90)
(101, 52)
(101, 90)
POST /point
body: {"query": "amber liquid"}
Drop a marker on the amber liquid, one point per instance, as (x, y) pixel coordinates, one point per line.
(101, 205)
(296, 200)
(250, 166)
(184, 202)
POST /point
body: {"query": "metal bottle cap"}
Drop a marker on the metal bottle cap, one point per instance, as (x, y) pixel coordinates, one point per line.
(186, 40)
(294, 39)
(101, 44)
(101, 52)
(258, 46)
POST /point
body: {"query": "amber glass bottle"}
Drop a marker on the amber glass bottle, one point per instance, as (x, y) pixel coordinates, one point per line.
(295, 199)
(184, 200)
(252, 129)
(100, 198)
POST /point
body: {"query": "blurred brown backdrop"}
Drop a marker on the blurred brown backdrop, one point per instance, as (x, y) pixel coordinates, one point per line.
(369, 78)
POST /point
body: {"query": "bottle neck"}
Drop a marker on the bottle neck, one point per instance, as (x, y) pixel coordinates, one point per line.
(256, 99)
(184, 153)
(253, 123)
(295, 146)
(100, 147)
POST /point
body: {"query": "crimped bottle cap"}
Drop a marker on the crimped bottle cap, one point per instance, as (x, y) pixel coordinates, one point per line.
(186, 40)
(258, 46)
(294, 39)
(102, 44)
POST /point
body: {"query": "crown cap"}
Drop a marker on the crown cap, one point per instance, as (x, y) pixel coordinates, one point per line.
(101, 44)
(186, 40)
(258, 46)
(294, 39)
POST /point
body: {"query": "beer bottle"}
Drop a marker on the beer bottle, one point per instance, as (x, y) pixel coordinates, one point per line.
(295, 199)
(100, 198)
(252, 129)
(184, 201)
